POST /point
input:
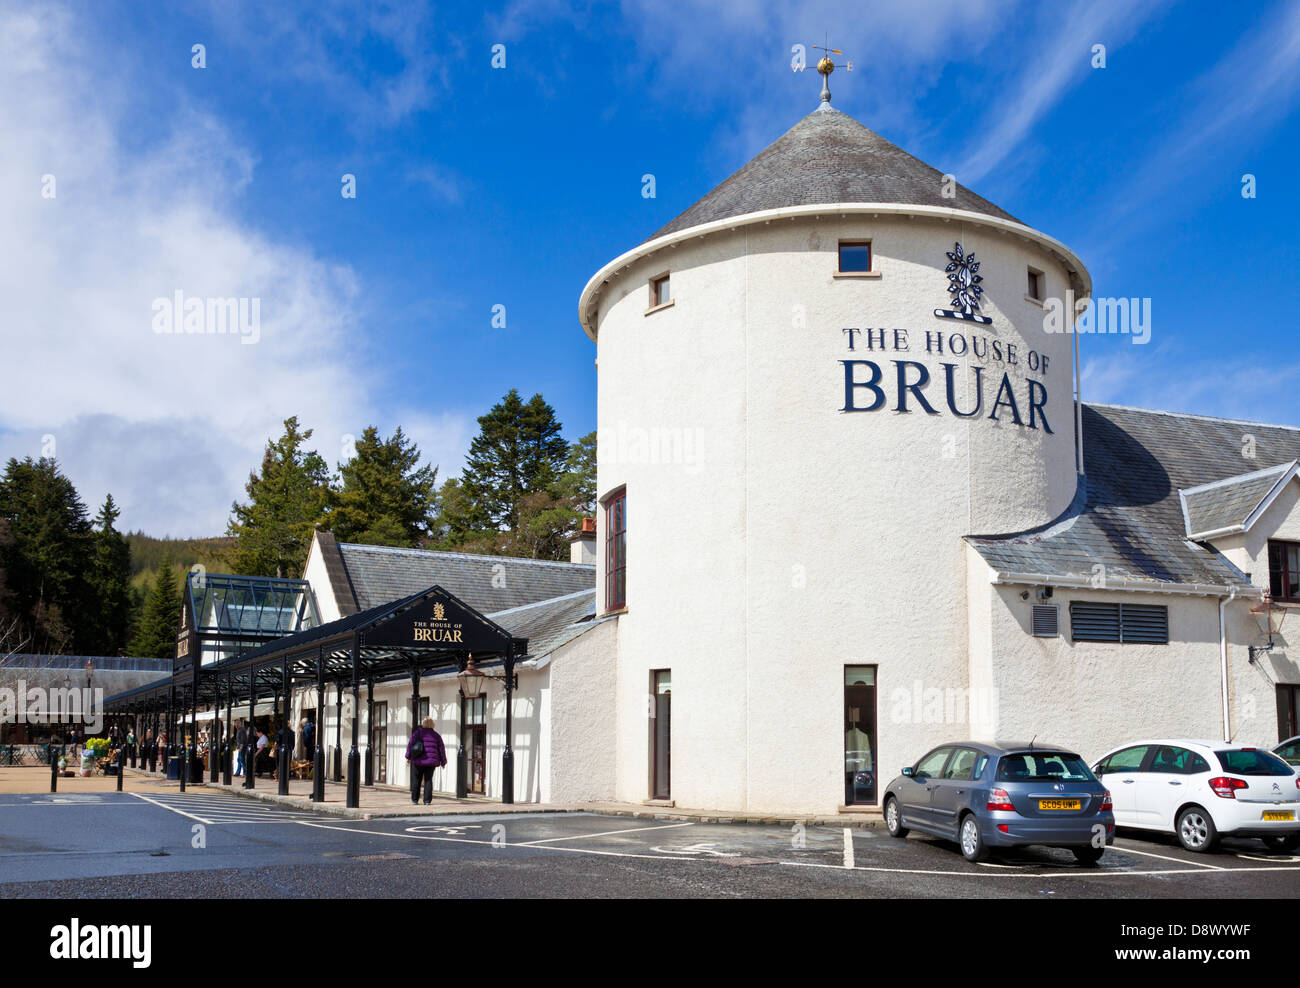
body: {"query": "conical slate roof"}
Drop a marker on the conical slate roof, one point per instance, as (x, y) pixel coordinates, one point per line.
(828, 157)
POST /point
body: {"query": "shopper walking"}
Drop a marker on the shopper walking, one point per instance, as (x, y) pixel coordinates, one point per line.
(424, 752)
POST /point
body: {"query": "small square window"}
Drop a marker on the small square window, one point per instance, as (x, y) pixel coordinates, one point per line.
(660, 290)
(855, 256)
(1035, 290)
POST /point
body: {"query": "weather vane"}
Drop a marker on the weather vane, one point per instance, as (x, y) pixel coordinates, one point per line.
(826, 66)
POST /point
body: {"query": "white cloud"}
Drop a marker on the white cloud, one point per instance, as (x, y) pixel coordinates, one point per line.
(1167, 378)
(170, 424)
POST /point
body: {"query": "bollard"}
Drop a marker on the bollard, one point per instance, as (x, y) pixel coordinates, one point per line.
(121, 767)
(185, 765)
(54, 770)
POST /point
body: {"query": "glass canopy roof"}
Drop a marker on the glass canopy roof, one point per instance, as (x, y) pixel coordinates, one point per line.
(234, 613)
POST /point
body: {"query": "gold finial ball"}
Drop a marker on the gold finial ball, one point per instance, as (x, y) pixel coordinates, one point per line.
(825, 66)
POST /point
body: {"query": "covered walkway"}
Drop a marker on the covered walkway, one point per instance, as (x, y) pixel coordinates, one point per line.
(429, 631)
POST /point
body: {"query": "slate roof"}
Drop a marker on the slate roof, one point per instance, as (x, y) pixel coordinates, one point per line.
(1128, 515)
(550, 623)
(828, 157)
(379, 574)
(1228, 504)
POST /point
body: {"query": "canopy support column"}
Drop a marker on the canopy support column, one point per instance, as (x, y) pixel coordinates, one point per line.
(228, 749)
(338, 730)
(462, 782)
(370, 731)
(354, 756)
(318, 765)
(284, 760)
(250, 743)
(508, 756)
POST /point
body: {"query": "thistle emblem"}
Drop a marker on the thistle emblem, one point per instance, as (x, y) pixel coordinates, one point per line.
(439, 612)
(964, 285)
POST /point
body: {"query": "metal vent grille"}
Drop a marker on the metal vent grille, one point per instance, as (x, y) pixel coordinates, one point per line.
(1146, 624)
(1046, 621)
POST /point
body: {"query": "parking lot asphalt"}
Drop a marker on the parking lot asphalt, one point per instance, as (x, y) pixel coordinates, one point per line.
(213, 844)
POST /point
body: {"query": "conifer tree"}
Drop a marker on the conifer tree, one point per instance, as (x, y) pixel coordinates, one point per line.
(285, 501)
(110, 581)
(383, 496)
(155, 637)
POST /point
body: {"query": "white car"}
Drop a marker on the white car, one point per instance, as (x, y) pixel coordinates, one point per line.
(1289, 752)
(1203, 790)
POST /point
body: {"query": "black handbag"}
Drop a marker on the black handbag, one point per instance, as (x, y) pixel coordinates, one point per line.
(417, 747)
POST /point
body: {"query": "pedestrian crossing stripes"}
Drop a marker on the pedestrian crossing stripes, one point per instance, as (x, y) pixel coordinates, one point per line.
(224, 809)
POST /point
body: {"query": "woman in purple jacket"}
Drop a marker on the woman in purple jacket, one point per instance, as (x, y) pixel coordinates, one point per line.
(431, 755)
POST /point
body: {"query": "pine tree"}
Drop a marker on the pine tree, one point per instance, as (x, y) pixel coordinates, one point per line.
(383, 497)
(47, 555)
(273, 530)
(519, 451)
(110, 581)
(155, 637)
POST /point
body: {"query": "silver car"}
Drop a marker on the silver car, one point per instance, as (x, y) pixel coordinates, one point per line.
(1003, 794)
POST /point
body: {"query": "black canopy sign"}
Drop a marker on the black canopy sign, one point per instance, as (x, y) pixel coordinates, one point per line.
(439, 621)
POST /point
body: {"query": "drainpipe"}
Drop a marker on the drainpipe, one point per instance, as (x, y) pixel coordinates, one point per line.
(1223, 657)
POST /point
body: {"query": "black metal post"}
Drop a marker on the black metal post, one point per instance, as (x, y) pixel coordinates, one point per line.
(462, 781)
(171, 729)
(184, 772)
(54, 769)
(121, 766)
(338, 731)
(508, 756)
(228, 749)
(354, 756)
(318, 758)
(286, 755)
(250, 745)
(370, 730)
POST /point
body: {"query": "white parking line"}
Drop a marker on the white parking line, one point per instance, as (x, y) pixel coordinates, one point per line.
(169, 808)
(1164, 857)
(848, 847)
(607, 833)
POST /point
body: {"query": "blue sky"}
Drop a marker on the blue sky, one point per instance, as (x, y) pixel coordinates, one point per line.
(479, 187)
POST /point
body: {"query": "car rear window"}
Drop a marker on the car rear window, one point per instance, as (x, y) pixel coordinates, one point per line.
(1043, 766)
(1252, 761)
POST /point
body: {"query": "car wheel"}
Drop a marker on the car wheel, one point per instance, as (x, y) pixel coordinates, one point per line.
(1088, 855)
(973, 847)
(1196, 830)
(1288, 843)
(894, 818)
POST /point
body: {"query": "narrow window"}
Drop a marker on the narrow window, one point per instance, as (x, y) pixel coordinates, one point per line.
(616, 552)
(1284, 571)
(1035, 290)
(855, 256)
(859, 735)
(660, 291)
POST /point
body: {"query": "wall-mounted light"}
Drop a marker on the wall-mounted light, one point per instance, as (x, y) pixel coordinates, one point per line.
(1269, 616)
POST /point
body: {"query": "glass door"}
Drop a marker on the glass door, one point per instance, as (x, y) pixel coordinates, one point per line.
(661, 735)
(381, 740)
(859, 735)
(476, 741)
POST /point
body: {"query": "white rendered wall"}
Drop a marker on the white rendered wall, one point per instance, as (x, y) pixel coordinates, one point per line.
(774, 539)
(1094, 696)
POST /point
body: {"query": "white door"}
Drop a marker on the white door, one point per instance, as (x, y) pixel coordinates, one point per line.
(1119, 773)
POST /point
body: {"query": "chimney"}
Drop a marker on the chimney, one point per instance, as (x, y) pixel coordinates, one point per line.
(582, 543)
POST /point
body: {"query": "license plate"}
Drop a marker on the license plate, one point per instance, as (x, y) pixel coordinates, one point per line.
(1060, 804)
(1279, 815)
